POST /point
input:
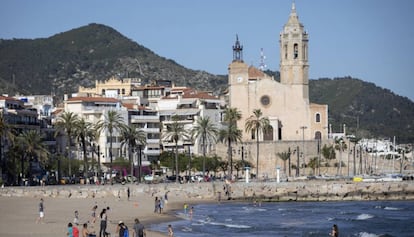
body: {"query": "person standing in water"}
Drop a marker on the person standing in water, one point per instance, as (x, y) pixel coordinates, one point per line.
(334, 232)
(170, 231)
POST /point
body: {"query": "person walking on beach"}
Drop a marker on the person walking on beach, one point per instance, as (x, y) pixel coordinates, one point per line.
(166, 197)
(161, 201)
(104, 219)
(70, 230)
(170, 231)
(139, 229)
(93, 214)
(121, 229)
(41, 212)
(334, 232)
(76, 218)
(156, 205)
(73, 231)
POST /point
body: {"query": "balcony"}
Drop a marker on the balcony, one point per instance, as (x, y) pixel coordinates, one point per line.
(152, 152)
(144, 118)
(153, 141)
(151, 130)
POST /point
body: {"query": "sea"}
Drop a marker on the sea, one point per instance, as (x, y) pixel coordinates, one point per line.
(354, 218)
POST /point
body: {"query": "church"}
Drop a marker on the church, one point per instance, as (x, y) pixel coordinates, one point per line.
(286, 103)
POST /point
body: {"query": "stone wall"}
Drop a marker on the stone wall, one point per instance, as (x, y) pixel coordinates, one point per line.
(320, 190)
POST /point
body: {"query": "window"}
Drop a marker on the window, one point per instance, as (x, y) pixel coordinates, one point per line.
(318, 135)
(295, 51)
(265, 100)
(318, 118)
(268, 135)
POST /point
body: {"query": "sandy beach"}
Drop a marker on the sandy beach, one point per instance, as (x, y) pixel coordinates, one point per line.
(19, 205)
(19, 214)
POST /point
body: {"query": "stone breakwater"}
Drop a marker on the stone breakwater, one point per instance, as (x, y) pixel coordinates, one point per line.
(262, 191)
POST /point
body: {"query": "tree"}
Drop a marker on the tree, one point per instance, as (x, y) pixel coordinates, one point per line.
(112, 122)
(6, 136)
(67, 122)
(340, 146)
(230, 134)
(328, 152)
(84, 130)
(31, 141)
(132, 136)
(175, 132)
(284, 156)
(205, 132)
(257, 124)
(313, 163)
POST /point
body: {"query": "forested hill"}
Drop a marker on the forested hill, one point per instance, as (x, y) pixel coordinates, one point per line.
(60, 63)
(366, 109)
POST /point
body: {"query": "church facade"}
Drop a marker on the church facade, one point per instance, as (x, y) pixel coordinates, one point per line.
(286, 103)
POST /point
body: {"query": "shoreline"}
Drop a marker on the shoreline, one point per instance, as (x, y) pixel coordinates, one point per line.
(21, 203)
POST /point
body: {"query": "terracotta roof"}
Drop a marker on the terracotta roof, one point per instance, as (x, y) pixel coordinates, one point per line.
(128, 105)
(93, 99)
(199, 95)
(57, 111)
(8, 98)
(255, 73)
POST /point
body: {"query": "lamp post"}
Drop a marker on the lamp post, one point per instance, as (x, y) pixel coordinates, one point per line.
(303, 142)
(289, 161)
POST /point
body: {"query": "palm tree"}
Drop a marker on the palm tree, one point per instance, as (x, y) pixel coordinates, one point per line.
(230, 134)
(205, 132)
(175, 132)
(340, 146)
(284, 156)
(132, 136)
(112, 122)
(257, 124)
(67, 122)
(5, 135)
(84, 130)
(31, 141)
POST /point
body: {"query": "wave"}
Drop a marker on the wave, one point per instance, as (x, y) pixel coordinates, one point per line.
(230, 225)
(365, 234)
(364, 216)
(392, 208)
(253, 209)
(389, 208)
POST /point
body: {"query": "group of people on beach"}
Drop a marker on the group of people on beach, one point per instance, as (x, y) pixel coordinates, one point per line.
(138, 229)
(159, 204)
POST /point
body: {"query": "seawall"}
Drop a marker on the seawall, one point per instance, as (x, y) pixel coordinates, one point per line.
(319, 190)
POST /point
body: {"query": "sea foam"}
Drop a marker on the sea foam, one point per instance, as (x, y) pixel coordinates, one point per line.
(364, 216)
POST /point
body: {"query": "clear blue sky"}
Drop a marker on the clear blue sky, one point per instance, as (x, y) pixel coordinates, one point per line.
(372, 40)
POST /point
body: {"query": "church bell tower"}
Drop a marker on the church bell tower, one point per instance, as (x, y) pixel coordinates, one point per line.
(294, 64)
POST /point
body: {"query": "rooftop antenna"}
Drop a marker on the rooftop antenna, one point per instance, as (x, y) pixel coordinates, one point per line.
(262, 65)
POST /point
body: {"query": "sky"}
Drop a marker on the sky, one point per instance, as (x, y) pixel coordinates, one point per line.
(371, 40)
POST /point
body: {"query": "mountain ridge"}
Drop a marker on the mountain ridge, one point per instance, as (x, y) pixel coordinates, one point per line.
(59, 64)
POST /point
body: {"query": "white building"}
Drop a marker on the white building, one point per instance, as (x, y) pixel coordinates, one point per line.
(93, 109)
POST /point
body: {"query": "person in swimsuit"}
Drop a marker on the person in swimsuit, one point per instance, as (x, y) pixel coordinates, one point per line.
(334, 232)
